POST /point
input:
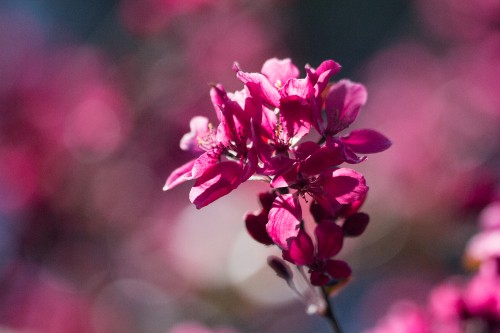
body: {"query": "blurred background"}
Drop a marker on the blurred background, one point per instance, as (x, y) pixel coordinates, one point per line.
(95, 96)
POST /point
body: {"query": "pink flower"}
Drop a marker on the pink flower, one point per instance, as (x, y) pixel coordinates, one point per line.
(342, 105)
(330, 189)
(194, 327)
(256, 223)
(404, 317)
(216, 177)
(323, 269)
(285, 108)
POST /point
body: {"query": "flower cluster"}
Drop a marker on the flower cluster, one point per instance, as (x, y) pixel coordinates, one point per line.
(285, 130)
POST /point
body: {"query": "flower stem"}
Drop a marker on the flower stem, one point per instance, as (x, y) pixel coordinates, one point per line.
(330, 313)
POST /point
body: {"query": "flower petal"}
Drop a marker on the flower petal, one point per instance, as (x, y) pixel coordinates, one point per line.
(338, 269)
(366, 141)
(301, 250)
(329, 238)
(321, 75)
(284, 219)
(256, 227)
(324, 158)
(256, 223)
(343, 102)
(270, 93)
(279, 71)
(179, 175)
(217, 181)
(345, 185)
(199, 131)
(285, 179)
(355, 224)
(319, 278)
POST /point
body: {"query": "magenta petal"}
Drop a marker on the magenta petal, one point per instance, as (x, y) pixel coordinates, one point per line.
(297, 87)
(366, 141)
(219, 180)
(204, 162)
(269, 93)
(285, 179)
(256, 227)
(284, 219)
(304, 149)
(180, 175)
(330, 239)
(345, 185)
(279, 71)
(338, 269)
(301, 250)
(319, 278)
(321, 75)
(256, 223)
(343, 103)
(199, 131)
(355, 224)
(321, 160)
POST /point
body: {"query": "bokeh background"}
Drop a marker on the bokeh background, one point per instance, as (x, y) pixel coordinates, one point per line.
(95, 95)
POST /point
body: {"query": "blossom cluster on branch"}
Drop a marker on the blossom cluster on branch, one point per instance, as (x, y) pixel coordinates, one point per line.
(286, 131)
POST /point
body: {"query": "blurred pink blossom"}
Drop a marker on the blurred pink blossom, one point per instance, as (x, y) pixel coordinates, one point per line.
(36, 300)
(150, 17)
(460, 19)
(194, 327)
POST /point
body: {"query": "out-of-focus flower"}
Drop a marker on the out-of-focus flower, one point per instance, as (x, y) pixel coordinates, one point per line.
(38, 301)
(460, 19)
(152, 16)
(403, 317)
(194, 327)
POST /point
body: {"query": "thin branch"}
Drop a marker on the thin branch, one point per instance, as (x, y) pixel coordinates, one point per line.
(330, 314)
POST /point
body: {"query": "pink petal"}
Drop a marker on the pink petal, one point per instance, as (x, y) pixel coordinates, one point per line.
(355, 224)
(199, 130)
(297, 87)
(304, 149)
(329, 239)
(295, 109)
(366, 141)
(269, 93)
(256, 223)
(345, 185)
(279, 71)
(301, 250)
(343, 102)
(286, 178)
(179, 175)
(256, 227)
(266, 200)
(204, 162)
(277, 165)
(321, 160)
(219, 180)
(319, 278)
(321, 75)
(284, 219)
(321, 213)
(338, 269)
